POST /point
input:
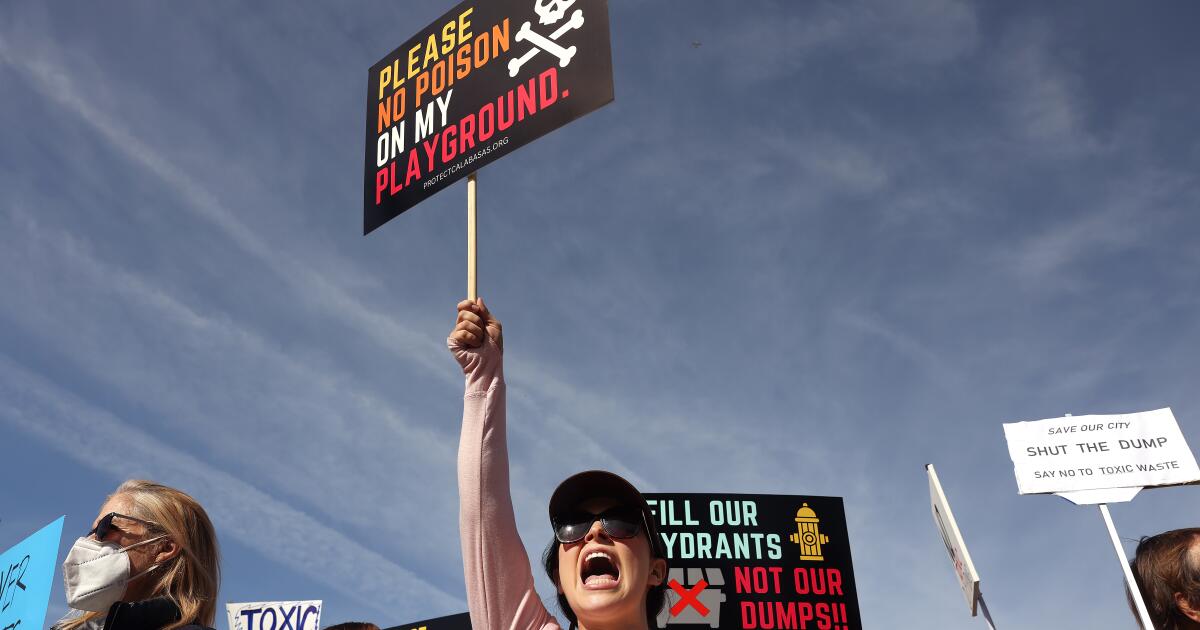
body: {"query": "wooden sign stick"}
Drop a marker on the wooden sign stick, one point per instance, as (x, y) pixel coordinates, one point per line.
(472, 272)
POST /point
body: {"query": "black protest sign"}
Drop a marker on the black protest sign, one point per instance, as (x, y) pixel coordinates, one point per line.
(461, 621)
(756, 561)
(487, 77)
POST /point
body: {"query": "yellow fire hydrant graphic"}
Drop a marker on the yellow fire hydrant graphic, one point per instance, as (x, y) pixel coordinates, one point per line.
(808, 534)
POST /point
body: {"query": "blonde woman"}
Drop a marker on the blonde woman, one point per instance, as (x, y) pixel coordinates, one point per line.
(150, 562)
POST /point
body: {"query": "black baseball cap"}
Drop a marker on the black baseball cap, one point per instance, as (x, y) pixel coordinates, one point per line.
(600, 483)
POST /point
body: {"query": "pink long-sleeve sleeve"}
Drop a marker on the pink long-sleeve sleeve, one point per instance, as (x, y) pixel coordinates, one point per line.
(499, 580)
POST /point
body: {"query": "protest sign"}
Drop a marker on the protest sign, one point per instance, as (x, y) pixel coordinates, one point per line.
(1075, 453)
(27, 571)
(298, 615)
(956, 547)
(461, 621)
(756, 561)
(477, 83)
(1094, 460)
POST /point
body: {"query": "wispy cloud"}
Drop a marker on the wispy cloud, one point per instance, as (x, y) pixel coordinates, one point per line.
(1043, 104)
(308, 284)
(107, 444)
(889, 40)
(1131, 211)
(903, 344)
(208, 382)
(52, 82)
(313, 286)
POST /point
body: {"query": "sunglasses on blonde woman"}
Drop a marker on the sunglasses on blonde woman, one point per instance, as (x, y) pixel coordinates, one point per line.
(105, 525)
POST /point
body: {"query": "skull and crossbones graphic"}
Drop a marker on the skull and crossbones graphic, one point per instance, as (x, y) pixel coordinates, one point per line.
(548, 12)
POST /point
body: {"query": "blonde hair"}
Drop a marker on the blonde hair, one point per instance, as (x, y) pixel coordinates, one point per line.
(192, 577)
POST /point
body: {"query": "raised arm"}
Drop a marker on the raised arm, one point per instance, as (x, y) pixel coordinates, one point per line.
(499, 581)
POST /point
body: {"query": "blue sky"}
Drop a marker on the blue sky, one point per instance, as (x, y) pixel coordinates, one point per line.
(831, 244)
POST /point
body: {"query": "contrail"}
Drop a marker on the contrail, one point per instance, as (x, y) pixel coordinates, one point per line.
(97, 439)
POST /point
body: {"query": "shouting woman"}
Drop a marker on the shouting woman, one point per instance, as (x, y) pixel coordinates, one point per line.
(606, 559)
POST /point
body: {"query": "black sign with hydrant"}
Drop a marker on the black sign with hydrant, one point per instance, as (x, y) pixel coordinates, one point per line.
(756, 561)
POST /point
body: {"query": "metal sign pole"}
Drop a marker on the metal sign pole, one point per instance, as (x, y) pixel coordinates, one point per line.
(987, 614)
(1136, 593)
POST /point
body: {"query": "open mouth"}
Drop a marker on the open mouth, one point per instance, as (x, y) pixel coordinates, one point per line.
(599, 570)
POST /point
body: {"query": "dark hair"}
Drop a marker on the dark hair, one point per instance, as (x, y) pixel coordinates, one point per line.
(656, 597)
(1164, 565)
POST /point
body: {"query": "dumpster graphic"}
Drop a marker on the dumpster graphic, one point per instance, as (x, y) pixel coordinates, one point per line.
(694, 600)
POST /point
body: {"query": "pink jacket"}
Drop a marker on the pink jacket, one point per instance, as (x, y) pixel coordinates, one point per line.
(500, 591)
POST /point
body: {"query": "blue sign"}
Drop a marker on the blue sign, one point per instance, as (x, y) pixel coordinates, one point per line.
(26, 572)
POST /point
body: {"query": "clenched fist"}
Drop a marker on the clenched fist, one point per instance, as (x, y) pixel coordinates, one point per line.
(473, 320)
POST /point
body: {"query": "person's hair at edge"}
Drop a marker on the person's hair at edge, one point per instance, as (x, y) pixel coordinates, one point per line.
(193, 577)
(656, 597)
(354, 625)
(1166, 568)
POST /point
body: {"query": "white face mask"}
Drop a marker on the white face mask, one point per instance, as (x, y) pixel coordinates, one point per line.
(95, 574)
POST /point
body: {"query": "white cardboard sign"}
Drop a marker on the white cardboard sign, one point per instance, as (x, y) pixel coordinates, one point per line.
(964, 569)
(298, 615)
(1094, 452)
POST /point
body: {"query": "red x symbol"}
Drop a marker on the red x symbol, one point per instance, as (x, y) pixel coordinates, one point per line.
(687, 597)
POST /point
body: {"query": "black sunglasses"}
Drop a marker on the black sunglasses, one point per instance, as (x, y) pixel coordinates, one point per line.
(617, 523)
(105, 525)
